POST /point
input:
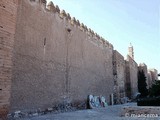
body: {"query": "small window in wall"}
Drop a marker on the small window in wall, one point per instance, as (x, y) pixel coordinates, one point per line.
(0, 89)
(44, 41)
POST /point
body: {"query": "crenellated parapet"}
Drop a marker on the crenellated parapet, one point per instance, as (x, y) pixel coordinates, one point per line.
(44, 2)
(51, 7)
(82, 27)
(63, 14)
(74, 22)
(78, 23)
(57, 9)
(106, 43)
(110, 46)
(68, 16)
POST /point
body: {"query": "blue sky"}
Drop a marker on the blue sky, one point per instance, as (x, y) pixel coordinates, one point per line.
(122, 22)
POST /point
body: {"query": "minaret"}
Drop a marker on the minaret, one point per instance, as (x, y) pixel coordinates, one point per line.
(131, 51)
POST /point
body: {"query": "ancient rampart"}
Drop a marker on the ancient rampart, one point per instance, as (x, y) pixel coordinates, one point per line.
(57, 59)
(48, 58)
(8, 15)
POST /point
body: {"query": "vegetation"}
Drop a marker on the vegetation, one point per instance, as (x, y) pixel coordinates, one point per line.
(153, 98)
(142, 85)
(154, 101)
(154, 91)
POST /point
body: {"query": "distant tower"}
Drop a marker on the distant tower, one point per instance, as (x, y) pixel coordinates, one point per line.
(131, 51)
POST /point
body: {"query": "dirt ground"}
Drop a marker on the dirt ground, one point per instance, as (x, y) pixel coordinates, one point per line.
(108, 113)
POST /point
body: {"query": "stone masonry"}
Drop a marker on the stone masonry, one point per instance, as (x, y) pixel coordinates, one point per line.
(8, 15)
(154, 74)
(48, 57)
(119, 76)
(131, 77)
(57, 60)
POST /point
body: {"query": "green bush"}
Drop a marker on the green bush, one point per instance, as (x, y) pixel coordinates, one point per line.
(155, 101)
(142, 85)
(155, 89)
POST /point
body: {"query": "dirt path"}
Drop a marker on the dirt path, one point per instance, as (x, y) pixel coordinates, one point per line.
(109, 113)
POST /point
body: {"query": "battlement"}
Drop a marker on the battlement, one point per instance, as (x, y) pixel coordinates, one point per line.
(142, 64)
(63, 56)
(54, 9)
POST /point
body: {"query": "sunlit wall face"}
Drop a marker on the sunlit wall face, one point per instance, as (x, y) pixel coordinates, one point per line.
(122, 22)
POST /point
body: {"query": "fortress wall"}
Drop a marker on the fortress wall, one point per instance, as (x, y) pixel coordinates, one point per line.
(57, 60)
(131, 77)
(143, 67)
(119, 74)
(127, 82)
(90, 67)
(8, 14)
(154, 74)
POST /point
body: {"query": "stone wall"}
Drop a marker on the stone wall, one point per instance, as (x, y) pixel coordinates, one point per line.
(154, 74)
(143, 66)
(57, 59)
(8, 13)
(119, 75)
(48, 58)
(131, 77)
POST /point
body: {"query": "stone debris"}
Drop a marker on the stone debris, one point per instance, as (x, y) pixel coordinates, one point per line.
(124, 100)
(60, 108)
(50, 109)
(107, 113)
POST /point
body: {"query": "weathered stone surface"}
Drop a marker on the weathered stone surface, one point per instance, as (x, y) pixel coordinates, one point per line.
(57, 9)
(154, 74)
(52, 65)
(8, 12)
(131, 77)
(46, 60)
(68, 16)
(131, 51)
(119, 76)
(43, 1)
(63, 14)
(51, 7)
(73, 20)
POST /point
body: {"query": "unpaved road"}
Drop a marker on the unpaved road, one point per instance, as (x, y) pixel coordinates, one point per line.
(109, 113)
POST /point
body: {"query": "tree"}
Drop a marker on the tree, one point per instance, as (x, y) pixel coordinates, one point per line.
(155, 89)
(142, 85)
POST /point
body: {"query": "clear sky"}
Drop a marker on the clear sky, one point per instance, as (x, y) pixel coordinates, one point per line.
(122, 22)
